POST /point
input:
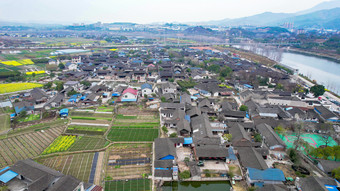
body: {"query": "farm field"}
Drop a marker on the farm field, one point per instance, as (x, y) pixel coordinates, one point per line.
(130, 185)
(38, 127)
(77, 165)
(129, 134)
(92, 122)
(31, 117)
(17, 62)
(26, 145)
(4, 122)
(13, 87)
(88, 143)
(128, 161)
(105, 109)
(86, 130)
(89, 114)
(92, 118)
(62, 143)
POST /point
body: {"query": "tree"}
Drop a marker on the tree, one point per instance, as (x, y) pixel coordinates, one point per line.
(227, 137)
(72, 92)
(163, 99)
(327, 137)
(280, 130)
(243, 108)
(48, 85)
(279, 87)
(86, 83)
(33, 75)
(336, 173)
(214, 68)
(61, 66)
(294, 157)
(171, 80)
(258, 137)
(60, 86)
(317, 90)
(188, 70)
(52, 75)
(173, 135)
(226, 71)
(22, 114)
(185, 174)
(164, 129)
(298, 133)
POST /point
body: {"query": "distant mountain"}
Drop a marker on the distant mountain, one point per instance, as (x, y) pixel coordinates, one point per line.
(329, 19)
(256, 20)
(199, 30)
(323, 15)
(322, 6)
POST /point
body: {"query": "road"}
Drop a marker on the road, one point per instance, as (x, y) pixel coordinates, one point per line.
(326, 94)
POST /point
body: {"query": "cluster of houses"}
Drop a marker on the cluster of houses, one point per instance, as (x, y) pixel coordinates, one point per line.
(206, 118)
(31, 176)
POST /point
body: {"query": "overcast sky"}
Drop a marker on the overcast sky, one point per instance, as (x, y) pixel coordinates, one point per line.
(142, 11)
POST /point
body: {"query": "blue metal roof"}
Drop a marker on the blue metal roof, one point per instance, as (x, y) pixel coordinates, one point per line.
(146, 85)
(231, 153)
(7, 167)
(187, 117)
(187, 140)
(7, 176)
(65, 110)
(270, 174)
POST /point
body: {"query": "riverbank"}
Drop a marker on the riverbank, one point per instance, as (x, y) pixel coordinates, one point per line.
(249, 55)
(259, 58)
(320, 55)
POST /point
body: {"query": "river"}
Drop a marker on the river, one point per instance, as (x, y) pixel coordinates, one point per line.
(323, 71)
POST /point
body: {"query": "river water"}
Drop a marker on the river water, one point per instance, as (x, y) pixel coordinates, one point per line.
(197, 186)
(321, 70)
(324, 71)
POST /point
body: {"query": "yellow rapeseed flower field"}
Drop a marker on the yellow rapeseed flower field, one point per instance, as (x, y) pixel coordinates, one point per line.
(13, 87)
(36, 72)
(18, 63)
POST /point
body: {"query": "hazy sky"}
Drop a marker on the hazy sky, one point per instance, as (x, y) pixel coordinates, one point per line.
(142, 11)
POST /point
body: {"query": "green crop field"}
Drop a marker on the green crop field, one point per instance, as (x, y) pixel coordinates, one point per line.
(87, 130)
(31, 117)
(4, 122)
(128, 134)
(120, 116)
(129, 185)
(88, 143)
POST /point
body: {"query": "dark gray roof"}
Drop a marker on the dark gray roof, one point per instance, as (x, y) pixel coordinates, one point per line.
(329, 165)
(183, 124)
(164, 147)
(273, 187)
(163, 164)
(65, 183)
(194, 169)
(38, 93)
(168, 85)
(163, 173)
(194, 111)
(201, 126)
(212, 151)
(239, 135)
(172, 106)
(249, 157)
(39, 175)
(312, 184)
(185, 98)
(271, 138)
(324, 112)
(56, 99)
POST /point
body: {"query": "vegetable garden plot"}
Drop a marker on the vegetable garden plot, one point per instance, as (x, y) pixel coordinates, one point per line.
(88, 143)
(128, 134)
(77, 165)
(129, 185)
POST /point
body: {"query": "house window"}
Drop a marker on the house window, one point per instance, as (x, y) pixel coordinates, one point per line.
(126, 96)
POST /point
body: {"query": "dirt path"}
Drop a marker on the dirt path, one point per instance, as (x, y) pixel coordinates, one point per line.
(99, 168)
